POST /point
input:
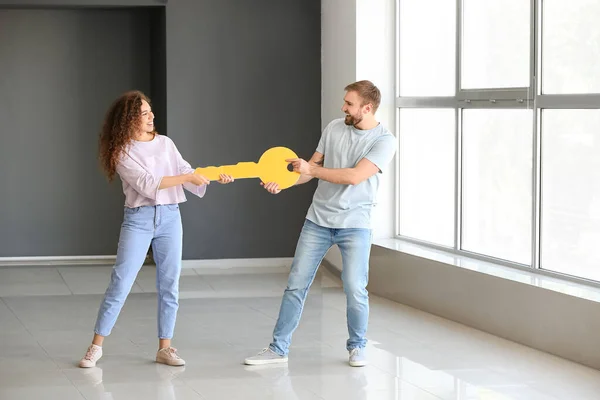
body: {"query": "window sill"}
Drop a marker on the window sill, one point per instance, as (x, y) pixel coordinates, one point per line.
(532, 278)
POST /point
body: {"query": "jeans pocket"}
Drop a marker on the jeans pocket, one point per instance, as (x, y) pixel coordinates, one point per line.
(172, 207)
(132, 210)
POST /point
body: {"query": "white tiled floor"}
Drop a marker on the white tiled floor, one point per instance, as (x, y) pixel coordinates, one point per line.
(47, 315)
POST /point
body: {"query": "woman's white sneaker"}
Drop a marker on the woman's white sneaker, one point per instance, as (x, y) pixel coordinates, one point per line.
(92, 355)
(169, 356)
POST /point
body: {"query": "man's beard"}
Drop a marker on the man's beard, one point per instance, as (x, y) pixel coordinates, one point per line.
(351, 120)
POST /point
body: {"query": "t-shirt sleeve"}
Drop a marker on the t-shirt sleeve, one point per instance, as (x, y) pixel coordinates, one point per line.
(323, 140)
(137, 177)
(321, 145)
(382, 151)
(185, 168)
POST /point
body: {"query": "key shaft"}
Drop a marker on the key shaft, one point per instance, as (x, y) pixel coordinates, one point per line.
(238, 171)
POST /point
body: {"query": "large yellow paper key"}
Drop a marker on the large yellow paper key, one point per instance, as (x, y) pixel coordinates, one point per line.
(271, 167)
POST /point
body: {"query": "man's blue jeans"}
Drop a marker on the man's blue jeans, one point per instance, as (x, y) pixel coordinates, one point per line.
(314, 242)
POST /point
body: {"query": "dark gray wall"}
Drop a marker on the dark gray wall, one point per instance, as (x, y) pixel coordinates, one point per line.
(241, 76)
(59, 71)
(79, 3)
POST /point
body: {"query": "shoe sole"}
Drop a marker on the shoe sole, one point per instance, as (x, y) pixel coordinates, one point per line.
(170, 365)
(358, 363)
(264, 362)
(90, 366)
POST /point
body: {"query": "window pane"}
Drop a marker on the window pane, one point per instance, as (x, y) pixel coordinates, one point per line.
(427, 47)
(427, 148)
(497, 183)
(496, 35)
(571, 192)
(570, 46)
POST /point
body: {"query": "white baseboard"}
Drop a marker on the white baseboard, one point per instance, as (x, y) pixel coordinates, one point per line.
(110, 260)
(239, 263)
(66, 260)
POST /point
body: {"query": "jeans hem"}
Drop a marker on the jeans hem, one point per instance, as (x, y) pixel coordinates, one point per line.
(276, 352)
(355, 347)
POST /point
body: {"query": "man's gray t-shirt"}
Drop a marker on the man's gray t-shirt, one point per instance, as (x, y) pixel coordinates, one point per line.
(343, 146)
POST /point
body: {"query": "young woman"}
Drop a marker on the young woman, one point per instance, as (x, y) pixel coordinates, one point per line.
(153, 174)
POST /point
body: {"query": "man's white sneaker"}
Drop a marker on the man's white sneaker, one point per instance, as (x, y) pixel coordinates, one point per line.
(357, 357)
(266, 356)
(92, 355)
(169, 356)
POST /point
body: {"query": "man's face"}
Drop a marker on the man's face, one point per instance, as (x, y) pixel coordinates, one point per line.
(353, 109)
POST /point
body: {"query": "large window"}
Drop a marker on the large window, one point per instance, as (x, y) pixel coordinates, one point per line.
(426, 155)
(571, 46)
(427, 52)
(497, 171)
(498, 117)
(571, 192)
(493, 56)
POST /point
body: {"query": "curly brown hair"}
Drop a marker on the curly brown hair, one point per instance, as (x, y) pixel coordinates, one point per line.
(118, 129)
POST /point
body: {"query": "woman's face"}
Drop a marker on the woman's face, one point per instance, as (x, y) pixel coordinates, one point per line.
(147, 118)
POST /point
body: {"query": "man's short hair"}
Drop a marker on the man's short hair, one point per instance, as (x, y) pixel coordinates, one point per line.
(367, 91)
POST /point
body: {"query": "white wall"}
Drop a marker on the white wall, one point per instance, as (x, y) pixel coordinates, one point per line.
(338, 55)
(375, 61)
(358, 42)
